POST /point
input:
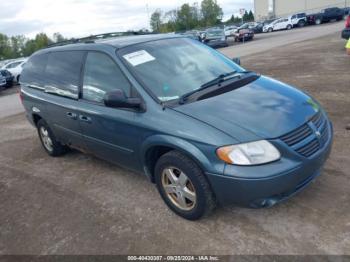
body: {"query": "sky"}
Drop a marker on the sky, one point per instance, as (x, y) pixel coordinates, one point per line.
(78, 18)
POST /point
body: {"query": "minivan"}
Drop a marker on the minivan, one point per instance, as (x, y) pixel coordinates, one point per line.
(198, 125)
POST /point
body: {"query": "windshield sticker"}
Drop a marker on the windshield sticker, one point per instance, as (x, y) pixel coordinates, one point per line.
(167, 98)
(139, 57)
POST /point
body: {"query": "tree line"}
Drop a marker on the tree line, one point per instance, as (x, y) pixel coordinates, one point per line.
(187, 17)
(21, 46)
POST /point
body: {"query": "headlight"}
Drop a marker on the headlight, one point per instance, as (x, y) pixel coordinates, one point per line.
(253, 153)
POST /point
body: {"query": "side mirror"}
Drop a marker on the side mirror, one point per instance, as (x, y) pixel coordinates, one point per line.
(118, 99)
(237, 60)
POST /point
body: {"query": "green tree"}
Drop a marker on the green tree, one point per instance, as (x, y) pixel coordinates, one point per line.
(5, 47)
(156, 20)
(251, 16)
(58, 37)
(187, 17)
(211, 12)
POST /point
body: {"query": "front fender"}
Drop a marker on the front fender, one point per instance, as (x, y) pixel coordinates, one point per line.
(207, 162)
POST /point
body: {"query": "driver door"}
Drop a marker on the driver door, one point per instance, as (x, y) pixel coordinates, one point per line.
(109, 133)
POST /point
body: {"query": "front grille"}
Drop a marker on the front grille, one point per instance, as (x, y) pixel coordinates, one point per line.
(304, 139)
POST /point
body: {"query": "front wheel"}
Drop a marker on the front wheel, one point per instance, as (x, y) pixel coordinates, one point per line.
(318, 21)
(183, 187)
(270, 30)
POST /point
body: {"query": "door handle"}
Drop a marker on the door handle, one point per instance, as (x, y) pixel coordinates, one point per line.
(85, 118)
(72, 115)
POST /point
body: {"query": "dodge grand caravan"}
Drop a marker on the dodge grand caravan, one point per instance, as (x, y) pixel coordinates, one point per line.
(202, 128)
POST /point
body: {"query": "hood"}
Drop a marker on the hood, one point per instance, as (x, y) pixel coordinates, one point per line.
(265, 108)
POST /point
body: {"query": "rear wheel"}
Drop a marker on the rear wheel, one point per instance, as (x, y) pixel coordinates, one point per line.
(183, 187)
(289, 27)
(48, 140)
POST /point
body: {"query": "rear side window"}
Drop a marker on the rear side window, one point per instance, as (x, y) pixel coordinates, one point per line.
(34, 70)
(101, 75)
(12, 65)
(63, 73)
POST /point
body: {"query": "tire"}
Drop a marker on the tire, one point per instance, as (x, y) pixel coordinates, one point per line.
(289, 27)
(180, 168)
(301, 23)
(270, 30)
(318, 21)
(18, 77)
(48, 140)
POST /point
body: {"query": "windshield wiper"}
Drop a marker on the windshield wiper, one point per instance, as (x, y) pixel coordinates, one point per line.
(217, 80)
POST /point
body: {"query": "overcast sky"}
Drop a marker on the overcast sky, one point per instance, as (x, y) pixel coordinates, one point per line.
(77, 18)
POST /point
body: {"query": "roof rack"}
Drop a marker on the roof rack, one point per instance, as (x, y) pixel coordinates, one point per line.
(92, 38)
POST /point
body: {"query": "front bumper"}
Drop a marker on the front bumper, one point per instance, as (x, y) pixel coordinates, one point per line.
(266, 185)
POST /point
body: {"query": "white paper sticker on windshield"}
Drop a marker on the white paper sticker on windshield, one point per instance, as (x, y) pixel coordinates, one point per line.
(139, 57)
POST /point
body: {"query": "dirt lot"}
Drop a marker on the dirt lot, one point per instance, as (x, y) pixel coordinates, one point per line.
(78, 204)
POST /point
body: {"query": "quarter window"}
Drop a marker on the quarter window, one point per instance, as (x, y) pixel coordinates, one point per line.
(13, 65)
(63, 73)
(102, 75)
(34, 71)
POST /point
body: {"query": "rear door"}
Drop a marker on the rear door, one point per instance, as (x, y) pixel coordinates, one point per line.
(62, 75)
(109, 133)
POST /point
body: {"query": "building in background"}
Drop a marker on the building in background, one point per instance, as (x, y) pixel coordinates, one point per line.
(279, 8)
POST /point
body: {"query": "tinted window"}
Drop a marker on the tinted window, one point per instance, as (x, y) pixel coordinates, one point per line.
(63, 73)
(102, 75)
(293, 17)
(34, 70)
(13, 65)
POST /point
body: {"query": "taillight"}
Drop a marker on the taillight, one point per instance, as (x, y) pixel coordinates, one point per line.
(347, 23)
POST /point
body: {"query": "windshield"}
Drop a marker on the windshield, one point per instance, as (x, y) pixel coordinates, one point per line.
(170, 68)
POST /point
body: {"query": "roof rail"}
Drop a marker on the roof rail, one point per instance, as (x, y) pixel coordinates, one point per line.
(92, 38)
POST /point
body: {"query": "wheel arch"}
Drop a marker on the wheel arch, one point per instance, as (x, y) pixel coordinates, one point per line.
(36, 117)
(154, 147)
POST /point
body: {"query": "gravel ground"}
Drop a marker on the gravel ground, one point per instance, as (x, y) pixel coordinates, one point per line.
(78, 204)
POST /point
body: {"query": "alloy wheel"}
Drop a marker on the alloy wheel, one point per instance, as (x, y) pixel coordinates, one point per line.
(45, 138)
(179, 188)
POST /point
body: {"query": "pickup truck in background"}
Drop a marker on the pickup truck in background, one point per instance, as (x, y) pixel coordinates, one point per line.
(326, 15)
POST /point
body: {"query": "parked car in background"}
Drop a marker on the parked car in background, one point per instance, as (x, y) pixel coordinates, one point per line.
(254, 26)
(346, 32)
(215, 38)
(279, 24)
(326, 15)
(194, 34)
(346, 11)
(2, 82)
(269, 21)
(8, 77)
(230, 30)
(198, 125)
(15, 68)
(244, 35)
(298, 20)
